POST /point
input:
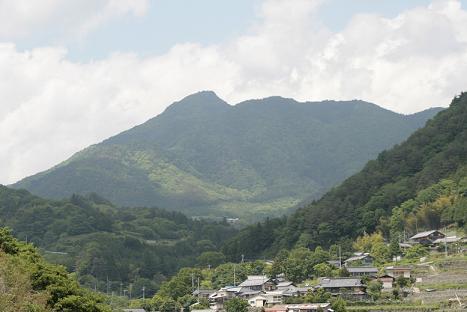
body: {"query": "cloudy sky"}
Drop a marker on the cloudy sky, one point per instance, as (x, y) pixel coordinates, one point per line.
(74, 72)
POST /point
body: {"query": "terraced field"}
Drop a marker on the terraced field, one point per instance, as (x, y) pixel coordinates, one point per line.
(441, 280)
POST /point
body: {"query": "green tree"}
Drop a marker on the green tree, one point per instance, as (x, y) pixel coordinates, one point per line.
(366, 242)
(416, 251)
(402, 281)
(236, 305)
(322, 270)
(211, 258)
(319, 295)
(394, 249)
(338, 305)
(280, 262)
(299, 265)
(380, 253)
(374, 289)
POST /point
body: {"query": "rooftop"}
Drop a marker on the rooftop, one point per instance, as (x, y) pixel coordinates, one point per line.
(340, 282)
(400, 268)
(284, 284)
(254, 280)
(449, 239)
(362, 270)
(356, 258)
(424, 234)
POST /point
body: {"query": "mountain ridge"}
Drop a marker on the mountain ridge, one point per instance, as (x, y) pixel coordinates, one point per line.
(205, 156)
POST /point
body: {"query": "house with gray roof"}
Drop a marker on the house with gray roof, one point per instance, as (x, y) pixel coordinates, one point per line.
(363, 271)
(360, 259)
(257, 283)
(348, 288)
(427, 237)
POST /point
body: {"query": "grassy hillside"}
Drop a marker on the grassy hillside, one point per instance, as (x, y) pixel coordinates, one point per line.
(102, 243)
(255, 159)
(409, 175)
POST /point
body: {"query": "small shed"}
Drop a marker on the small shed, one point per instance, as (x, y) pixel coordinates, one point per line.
(397, 271)
(387, 281)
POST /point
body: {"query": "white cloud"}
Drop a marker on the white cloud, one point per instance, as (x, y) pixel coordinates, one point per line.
(52, 107)
(20, 18)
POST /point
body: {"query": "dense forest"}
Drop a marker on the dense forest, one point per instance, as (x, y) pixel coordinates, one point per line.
(255, 159)
(421, 181)
(107, 246)
(31, 284)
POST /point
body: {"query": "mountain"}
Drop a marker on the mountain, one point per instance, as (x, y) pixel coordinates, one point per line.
(105, 245)
(203, 156)
(419, 184)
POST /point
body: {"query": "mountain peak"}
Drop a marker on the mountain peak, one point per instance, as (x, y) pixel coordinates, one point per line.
(198, 102)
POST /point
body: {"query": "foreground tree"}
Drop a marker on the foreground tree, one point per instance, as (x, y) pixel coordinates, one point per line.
(236, 305)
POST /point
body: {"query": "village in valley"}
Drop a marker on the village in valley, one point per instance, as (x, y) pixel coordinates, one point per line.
(423, 275)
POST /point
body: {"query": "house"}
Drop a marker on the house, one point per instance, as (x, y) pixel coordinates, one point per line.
(134, 310)
(349, 288)
(276, 297)
(427, 237)
(363, 271)
(218, 298)
(301, 291)
(404, 246)
(277, 308)
(203, 293)
(309, 307)
(335, 263)
(387, 281)
(258, 283)
(285, 285)
(359, 259)
(396, 271)
(258, 301)
(447, 240)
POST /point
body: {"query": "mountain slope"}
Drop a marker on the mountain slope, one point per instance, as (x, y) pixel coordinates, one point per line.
(203, 156)
(101, 242)
(367, 199)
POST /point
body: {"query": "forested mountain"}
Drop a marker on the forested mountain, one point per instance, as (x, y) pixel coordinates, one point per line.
(423, 179)
(102, 243)
(28, 283)
(206, 157)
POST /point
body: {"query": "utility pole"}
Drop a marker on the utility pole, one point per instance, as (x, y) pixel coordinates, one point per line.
(144, 288)
(192, 281)
(198, 290)
(234, 275)
(121, 288)
(243, 258)
(445, 243)
(107, 285)
(340, 258)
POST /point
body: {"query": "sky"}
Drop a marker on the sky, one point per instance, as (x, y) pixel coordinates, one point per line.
(74, 72)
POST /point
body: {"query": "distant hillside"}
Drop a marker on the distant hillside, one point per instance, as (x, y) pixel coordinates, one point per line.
(255, 159)
(421, 183)
(100, 242)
